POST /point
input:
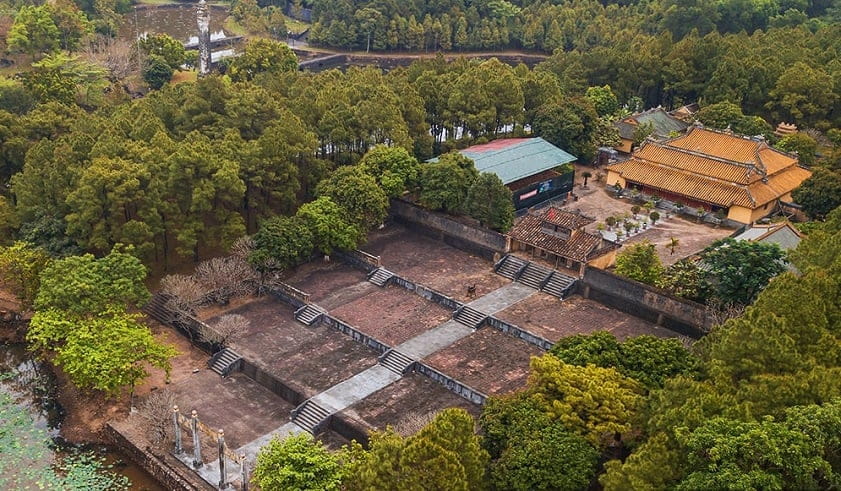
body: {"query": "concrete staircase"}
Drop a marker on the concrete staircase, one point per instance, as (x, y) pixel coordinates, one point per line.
(396, 361)
(380, 276)
(310, 416)
(534, 276)
(510, 267)
(559, 285)
(309, 314)
(469, 317)
(223, 361)
(156, 309)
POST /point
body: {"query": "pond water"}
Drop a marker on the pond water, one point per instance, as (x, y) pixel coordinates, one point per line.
(32, 387)
(179, 21)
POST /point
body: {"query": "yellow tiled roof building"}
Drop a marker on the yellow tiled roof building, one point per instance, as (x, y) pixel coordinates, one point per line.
(713, 170)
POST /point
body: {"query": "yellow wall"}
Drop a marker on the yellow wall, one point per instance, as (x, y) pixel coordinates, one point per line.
(740, 214)
(614, 177)
(624, 145)
(603, 262)
(746, 215)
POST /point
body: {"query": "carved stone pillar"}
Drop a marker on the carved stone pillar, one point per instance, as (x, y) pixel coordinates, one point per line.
(223, 475)
(175, 420)
(194, 425)
(203, 20)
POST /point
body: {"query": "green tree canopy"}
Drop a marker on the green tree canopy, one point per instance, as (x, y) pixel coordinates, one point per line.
(86, 285)
(21, 265)
(156, 71)
(804, 145)
(330, 226)
(646, 359)
(740, 269)
(393, 167)
(820, 193)
(594, 402)
(445, 184)
(358, 194)
(281, 243)
(490, 201)
(640, 262)
(107, 352)
(165, 46)
(603, 100)
(297, 462)
(34, 31)
(262, 56)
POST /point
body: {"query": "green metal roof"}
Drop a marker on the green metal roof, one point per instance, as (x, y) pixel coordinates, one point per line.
(513, 159)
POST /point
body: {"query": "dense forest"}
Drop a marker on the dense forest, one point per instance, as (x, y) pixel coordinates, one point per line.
(476, 25)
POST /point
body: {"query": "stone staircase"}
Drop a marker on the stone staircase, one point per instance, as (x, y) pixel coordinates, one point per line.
(380, 276)
(309, 314)
(310, 416)
(510, 267)
(156, 309)
(559, 285)
(470, 317)
(396, 361)
(534, 276)
(223, 361)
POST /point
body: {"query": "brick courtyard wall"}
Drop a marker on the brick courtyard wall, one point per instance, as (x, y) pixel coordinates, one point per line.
(515, 331)
(355, 260)
(166, 474)
(477, 240)
(271, 383)
(355, 334)
(427, 293)
(285, 297)
(646, 302)
(451, 384)
(349, 428)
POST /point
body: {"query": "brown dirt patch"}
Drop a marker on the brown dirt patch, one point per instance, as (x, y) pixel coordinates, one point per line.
(433, 263)
(310, 359)
(487, 360)
(405, 404)
(552, 319)
(392, 314)
(329, 284)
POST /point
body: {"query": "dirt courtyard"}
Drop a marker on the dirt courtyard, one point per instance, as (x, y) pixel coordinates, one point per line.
(310, 359)
(694, 237)
(548, 317)
(432, 263)
(406, 405)
(487, 360)
(392, 315)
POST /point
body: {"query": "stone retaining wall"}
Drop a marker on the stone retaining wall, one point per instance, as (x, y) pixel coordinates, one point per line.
(355, 334)
(515, 331)
(477, 240)
(451, 384)
(167, 475)
(646, 302)
(427, 293)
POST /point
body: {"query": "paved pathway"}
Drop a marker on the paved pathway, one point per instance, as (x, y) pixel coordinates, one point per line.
(502, 298)
(358, 387)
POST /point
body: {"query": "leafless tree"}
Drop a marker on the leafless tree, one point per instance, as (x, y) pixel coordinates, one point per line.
(228, 276)
(185, 293)
(117, 55)
(719, 312)
(225, 330)
(156, 411)
(242, 248)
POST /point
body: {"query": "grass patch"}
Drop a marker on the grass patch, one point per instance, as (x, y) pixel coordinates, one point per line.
(184, 76)
(294, 25)
(234, 27)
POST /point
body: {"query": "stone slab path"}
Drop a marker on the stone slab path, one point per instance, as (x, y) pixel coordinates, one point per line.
(363, 384)
(502, 298)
